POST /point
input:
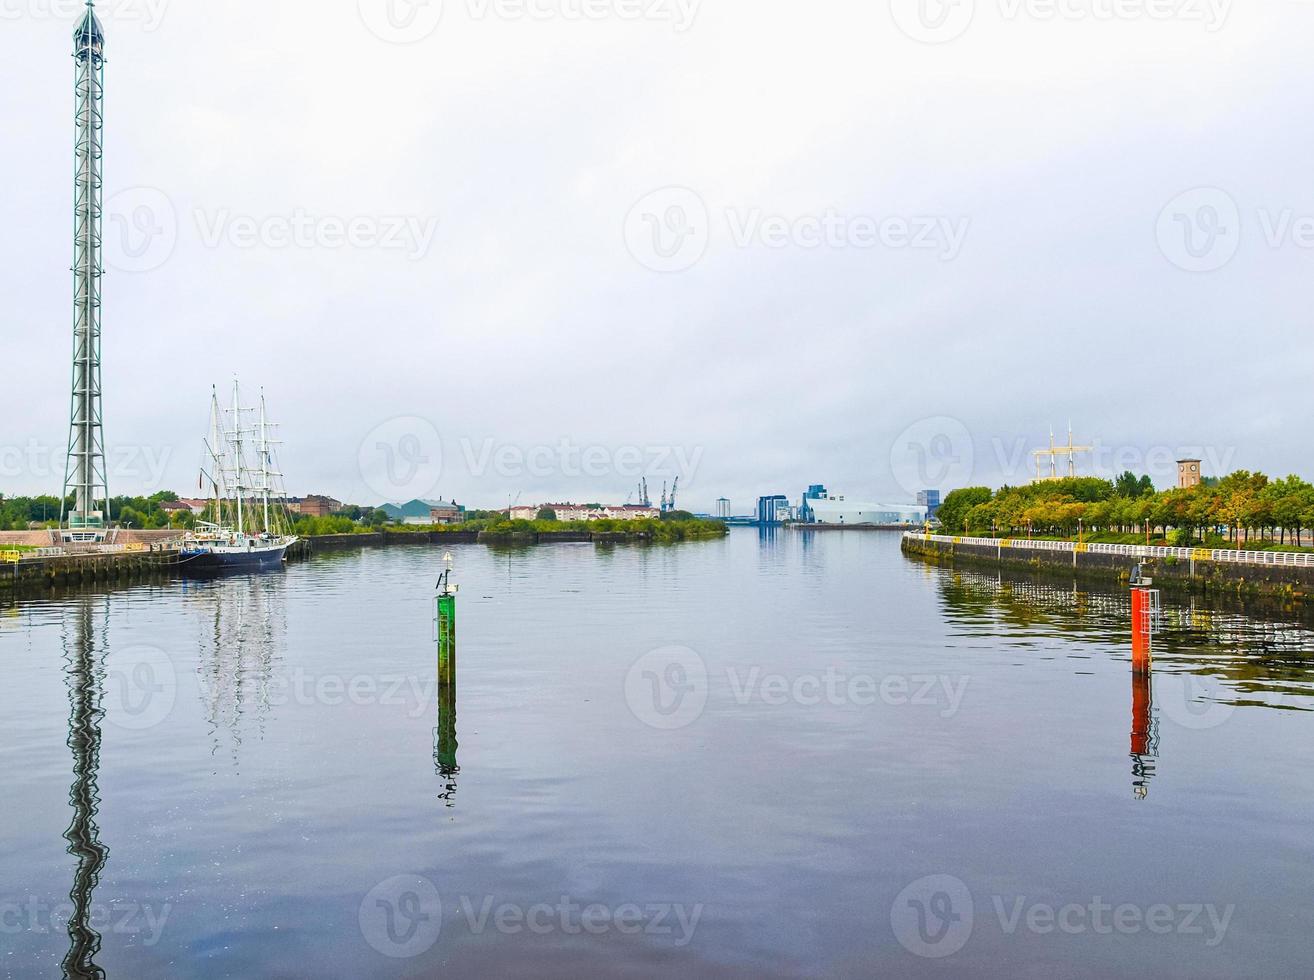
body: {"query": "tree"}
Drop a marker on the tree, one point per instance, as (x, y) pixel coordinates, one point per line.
(547, 514)
(954, 510)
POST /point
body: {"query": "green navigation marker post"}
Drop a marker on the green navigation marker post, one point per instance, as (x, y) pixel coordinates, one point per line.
(445, 627)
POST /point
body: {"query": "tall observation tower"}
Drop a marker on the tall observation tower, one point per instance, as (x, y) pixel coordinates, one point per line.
(84, 474)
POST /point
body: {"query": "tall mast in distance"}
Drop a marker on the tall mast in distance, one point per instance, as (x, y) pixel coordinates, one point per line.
(84, 474)
(264, 457)
(237, 454)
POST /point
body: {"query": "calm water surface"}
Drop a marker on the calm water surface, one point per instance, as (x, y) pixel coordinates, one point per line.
(793, 755)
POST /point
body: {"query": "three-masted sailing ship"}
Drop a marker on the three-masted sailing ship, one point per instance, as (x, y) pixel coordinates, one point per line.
(247, 525)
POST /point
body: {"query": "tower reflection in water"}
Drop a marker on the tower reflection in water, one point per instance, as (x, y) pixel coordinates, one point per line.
(86, 685)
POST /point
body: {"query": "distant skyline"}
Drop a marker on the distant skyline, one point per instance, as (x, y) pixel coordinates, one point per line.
(489, 254)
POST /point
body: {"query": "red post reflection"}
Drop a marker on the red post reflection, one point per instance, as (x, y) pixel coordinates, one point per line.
(1144, 738)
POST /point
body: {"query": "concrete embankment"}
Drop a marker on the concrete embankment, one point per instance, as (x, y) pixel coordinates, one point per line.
(51, 571)
(1195, 570)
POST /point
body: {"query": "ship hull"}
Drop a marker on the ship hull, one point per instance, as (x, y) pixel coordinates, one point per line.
(215, 561)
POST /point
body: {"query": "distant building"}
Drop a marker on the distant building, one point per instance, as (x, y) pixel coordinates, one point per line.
(583, 512)
(172, 507)
(838, 510)
(316, 505)
(930, 499)
(444, 512)
(723, 507)
(814, 492)
(1188, 473)
(194, 504)
(773, 509)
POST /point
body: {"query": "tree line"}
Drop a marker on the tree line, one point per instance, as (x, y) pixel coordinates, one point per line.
(1241, 508)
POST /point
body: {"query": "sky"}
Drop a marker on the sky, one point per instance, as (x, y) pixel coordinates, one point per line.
(533, 251)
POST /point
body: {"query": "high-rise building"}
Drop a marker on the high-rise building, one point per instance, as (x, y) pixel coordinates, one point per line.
(930, 499)
(84, 475)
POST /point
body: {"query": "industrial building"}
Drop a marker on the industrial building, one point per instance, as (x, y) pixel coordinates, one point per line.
(838, 510)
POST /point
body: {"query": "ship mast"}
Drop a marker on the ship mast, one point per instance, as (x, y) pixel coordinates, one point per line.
(237, 452)
(264, 457)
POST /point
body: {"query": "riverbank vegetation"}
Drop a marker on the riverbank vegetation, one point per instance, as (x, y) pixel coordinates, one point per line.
(1241, 510)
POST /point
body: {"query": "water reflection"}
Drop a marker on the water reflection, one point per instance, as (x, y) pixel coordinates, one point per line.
(1144, 732)
(86, 685)
(1214, 659)
(243, 636)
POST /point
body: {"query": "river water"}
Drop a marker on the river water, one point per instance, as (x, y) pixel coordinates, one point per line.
(775, 755)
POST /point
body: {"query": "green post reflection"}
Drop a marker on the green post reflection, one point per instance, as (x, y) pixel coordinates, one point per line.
(444, 748)
(85, 693)
(444, 742)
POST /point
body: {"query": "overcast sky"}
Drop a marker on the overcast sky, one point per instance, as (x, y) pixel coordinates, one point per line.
(536, 250)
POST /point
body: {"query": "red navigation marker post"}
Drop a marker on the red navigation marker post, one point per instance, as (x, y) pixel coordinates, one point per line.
(1142, 610)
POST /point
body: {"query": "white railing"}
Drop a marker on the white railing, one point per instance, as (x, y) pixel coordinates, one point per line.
(1283, 558)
